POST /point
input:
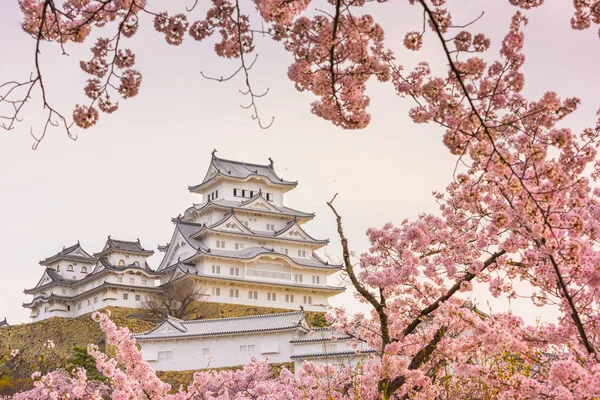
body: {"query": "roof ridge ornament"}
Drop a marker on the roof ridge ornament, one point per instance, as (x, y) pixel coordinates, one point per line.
(271, 162)
(213, 153)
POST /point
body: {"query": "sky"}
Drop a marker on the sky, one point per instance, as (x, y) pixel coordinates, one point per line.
(129, 175)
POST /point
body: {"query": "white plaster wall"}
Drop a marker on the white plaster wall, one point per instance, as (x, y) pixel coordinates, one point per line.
(226, 190)
(114, 258)
(263, 297)
(224, 351)
(77, 272)
(91, 302)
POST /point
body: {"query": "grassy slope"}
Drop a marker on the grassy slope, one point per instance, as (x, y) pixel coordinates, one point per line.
(66, 333)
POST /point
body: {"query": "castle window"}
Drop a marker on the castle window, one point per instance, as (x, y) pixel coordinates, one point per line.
(64, 291)
(297, 278)
(121, 263)
(58, 268)
(137, 297)
(243, 348)
(272, 296)
(120, 279)
(213, 195)
(307, 299)
(234, 271)
(144, 282)
(131, 281)
(270, 196)
(301, 253)
(68, 308)
(253, 294)
(270, 227)
(235, 192)
(284, 251)
(251, 348)
(70, 268)
(220, 244)
(239, 246)
(79, 306)
(205, 351)
(316, 279)
(216, 291)
(289, 298)
(84, 270)
(125, 296)
(216, 269)
(165, 355)
(234, 293)
(329, 348)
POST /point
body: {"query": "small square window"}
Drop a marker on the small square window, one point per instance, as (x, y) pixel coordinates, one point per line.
(125, 296)
(205, 351)
(137, 297)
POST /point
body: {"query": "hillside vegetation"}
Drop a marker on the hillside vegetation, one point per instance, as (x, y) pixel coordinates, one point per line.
(49, 344)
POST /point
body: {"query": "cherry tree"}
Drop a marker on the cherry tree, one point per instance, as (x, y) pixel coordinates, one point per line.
(522, 206)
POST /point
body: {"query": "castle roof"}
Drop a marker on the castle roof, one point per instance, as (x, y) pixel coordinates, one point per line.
(73, 253)
(250, 253)
(176, 328)
(320, 335)
(231, 225)
(229, 169)
(124, 246)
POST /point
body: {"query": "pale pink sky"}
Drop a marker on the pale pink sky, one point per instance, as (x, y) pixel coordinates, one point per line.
(129, 175)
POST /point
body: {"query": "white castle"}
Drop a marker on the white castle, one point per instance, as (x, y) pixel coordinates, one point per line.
(242, 245)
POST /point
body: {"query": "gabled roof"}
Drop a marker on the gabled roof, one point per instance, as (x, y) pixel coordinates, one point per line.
(220, 167)
(72, 253)
(183, 232)
(294, 227)
(104, 264)
(230, 221)
(176, 328)
(123, 246)
(231, 225)
(250, 253)
(54, 277)
(243, 206)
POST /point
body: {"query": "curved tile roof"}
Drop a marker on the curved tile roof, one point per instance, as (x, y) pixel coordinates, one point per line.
(239, 205)
(72, 253)
(225, 326)
(124, 246)
(240, 170)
